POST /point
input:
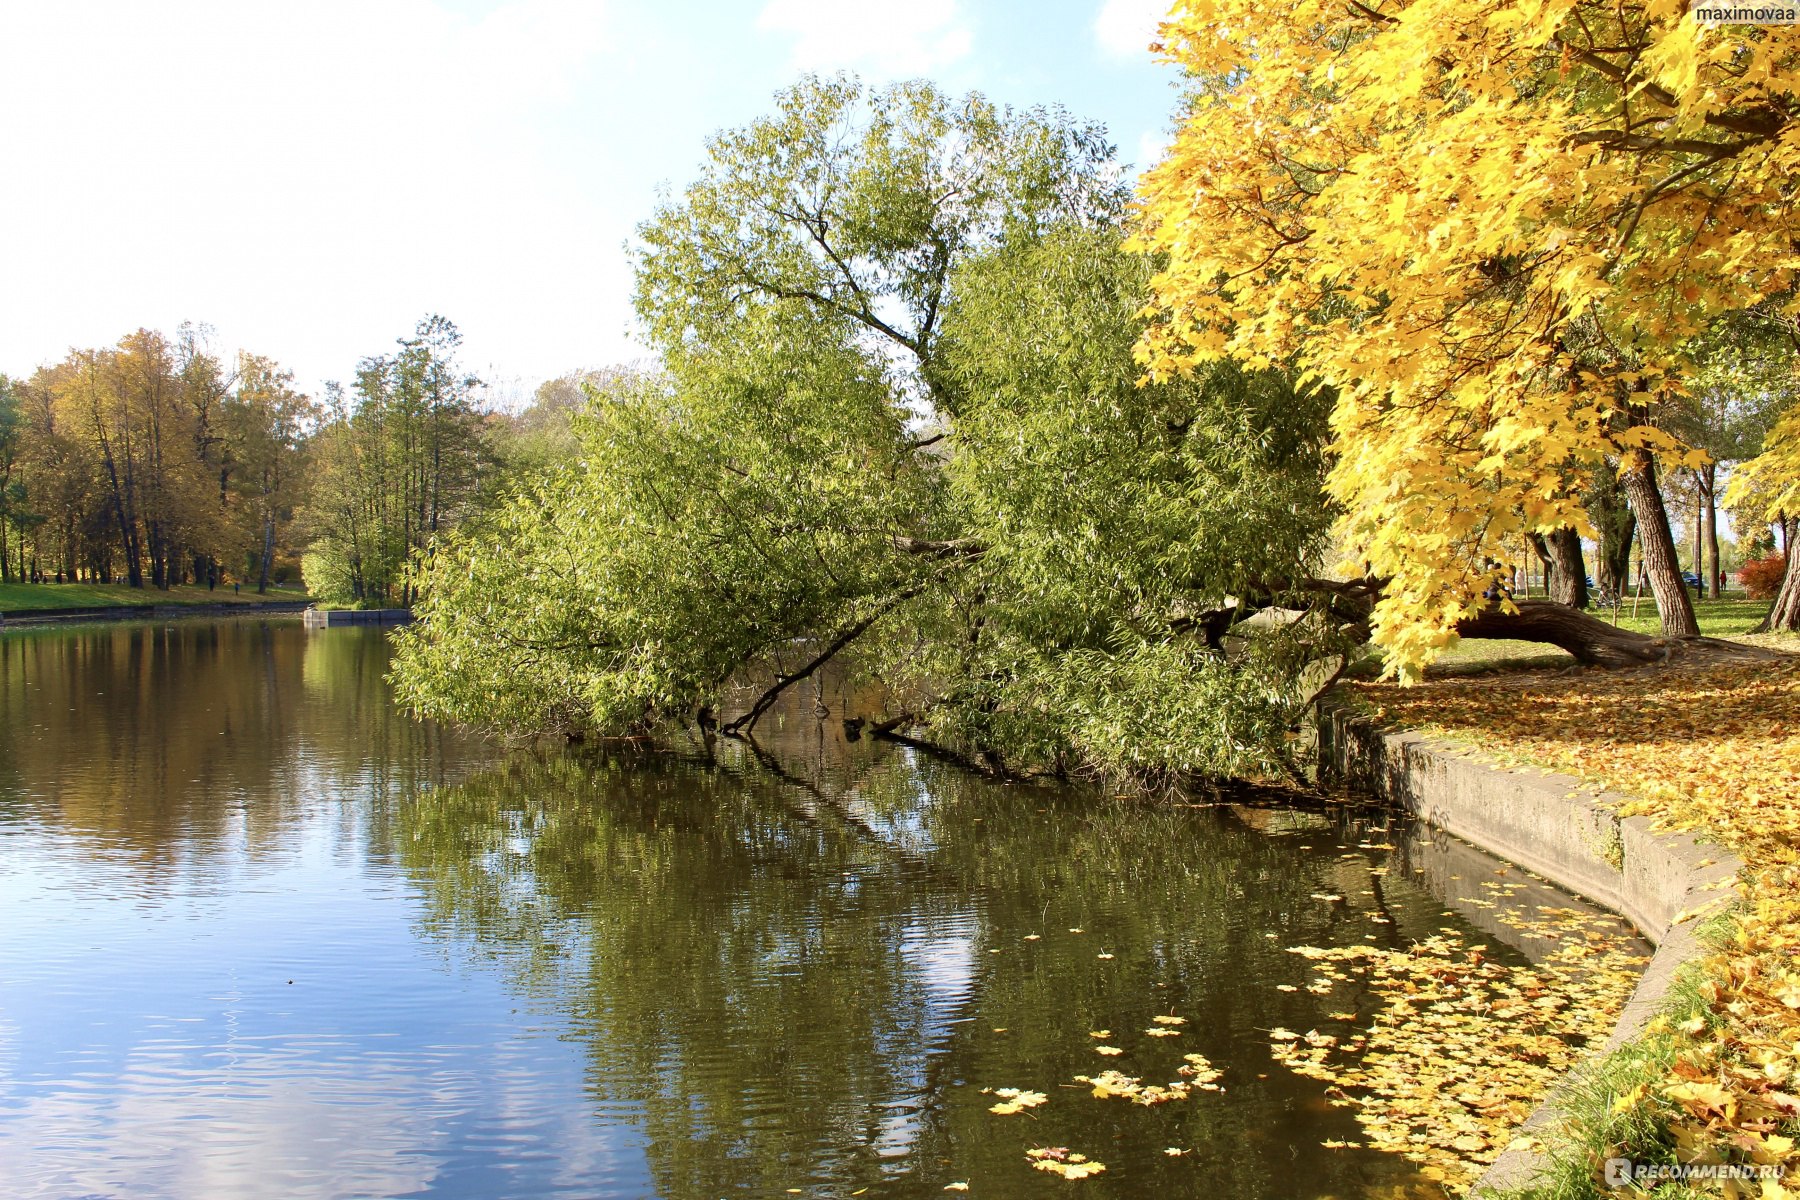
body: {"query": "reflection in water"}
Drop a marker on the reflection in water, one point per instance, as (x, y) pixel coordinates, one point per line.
(265, 936)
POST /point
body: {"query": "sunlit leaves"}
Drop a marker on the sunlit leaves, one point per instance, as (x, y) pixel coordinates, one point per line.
(1709, 749)
(1060, 1160)
(1012, 1100)
(1460, 1048)
(1489, 226)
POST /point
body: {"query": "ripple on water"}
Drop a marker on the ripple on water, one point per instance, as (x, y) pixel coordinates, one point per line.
(264, 936)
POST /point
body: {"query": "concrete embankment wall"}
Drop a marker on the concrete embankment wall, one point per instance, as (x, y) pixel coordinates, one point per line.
(324, 618)
(1560, 827)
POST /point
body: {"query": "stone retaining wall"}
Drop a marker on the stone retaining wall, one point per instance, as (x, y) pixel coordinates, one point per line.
(1566, 830)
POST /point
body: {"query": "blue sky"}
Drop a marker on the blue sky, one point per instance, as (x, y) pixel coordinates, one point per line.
(310, 179)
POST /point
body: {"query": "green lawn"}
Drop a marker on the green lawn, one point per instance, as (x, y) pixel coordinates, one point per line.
(1731, 617)
(43, 597)
(1727, 617)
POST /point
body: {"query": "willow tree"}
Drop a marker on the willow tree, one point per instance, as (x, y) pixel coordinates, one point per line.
(1491, 227)
(897, 418)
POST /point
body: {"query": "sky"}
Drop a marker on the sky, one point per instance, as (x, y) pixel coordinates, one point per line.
(308, 180)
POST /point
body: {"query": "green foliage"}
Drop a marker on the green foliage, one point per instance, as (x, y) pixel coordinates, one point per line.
(394, 469)
(859, 204)
(711, 518)
(898, 416)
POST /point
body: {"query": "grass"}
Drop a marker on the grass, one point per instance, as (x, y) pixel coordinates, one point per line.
(1709, 747)
(1596, 1126)
(1727, 617)
(49, 597)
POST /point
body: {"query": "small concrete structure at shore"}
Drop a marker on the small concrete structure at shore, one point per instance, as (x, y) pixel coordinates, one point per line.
(324, 618)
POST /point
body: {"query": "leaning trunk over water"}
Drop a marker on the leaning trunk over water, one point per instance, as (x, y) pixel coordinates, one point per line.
(1661, 562)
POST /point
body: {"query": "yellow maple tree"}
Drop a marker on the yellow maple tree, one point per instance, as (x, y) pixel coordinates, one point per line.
(1489, 225)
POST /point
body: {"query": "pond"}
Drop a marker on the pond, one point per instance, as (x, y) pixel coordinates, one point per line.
(261, 934)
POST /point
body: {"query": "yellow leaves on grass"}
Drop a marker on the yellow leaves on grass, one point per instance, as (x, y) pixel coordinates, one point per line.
(1713, 749)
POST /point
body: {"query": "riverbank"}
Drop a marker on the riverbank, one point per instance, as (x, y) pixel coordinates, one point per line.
(30, 599)
(60, 603)
(53, 603)
(1707, 752)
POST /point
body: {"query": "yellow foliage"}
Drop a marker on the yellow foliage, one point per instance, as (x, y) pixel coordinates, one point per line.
(1715, 749)
(1488, 225)
(1772, 477)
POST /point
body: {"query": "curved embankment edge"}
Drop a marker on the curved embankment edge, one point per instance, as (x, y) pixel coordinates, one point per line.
(1560, 827)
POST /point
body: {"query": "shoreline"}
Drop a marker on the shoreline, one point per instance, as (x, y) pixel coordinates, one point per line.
(1557, 826)
(148, 612)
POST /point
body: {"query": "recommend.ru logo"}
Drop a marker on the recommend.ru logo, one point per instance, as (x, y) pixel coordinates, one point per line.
(1622, 1171)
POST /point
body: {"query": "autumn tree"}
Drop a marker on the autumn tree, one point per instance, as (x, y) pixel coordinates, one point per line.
(1492, 228)
(16, 515)
(130, 456)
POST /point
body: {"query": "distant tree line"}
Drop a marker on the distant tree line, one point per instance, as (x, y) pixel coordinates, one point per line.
(154, 463)
(398, 462)
(149, 462)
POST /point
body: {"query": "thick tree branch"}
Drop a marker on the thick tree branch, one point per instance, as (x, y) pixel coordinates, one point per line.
(782, 683)
(1594, 642)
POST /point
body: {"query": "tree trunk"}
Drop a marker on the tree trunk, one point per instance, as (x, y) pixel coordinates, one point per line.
(1784, 614)
(1540, 548)
(1699, 527)
(1594, 642)
(1570, 584)
(1709, 480)
(1613, 521)
(268, 553)
(1661, 562)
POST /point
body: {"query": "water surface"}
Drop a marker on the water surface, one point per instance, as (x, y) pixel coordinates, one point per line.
(262, 935)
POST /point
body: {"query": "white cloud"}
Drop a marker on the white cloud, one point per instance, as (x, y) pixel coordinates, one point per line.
(1152, 148)
(1125, 28)
(917, 38)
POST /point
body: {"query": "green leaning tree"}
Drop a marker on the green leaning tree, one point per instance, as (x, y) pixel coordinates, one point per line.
(897, 421)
